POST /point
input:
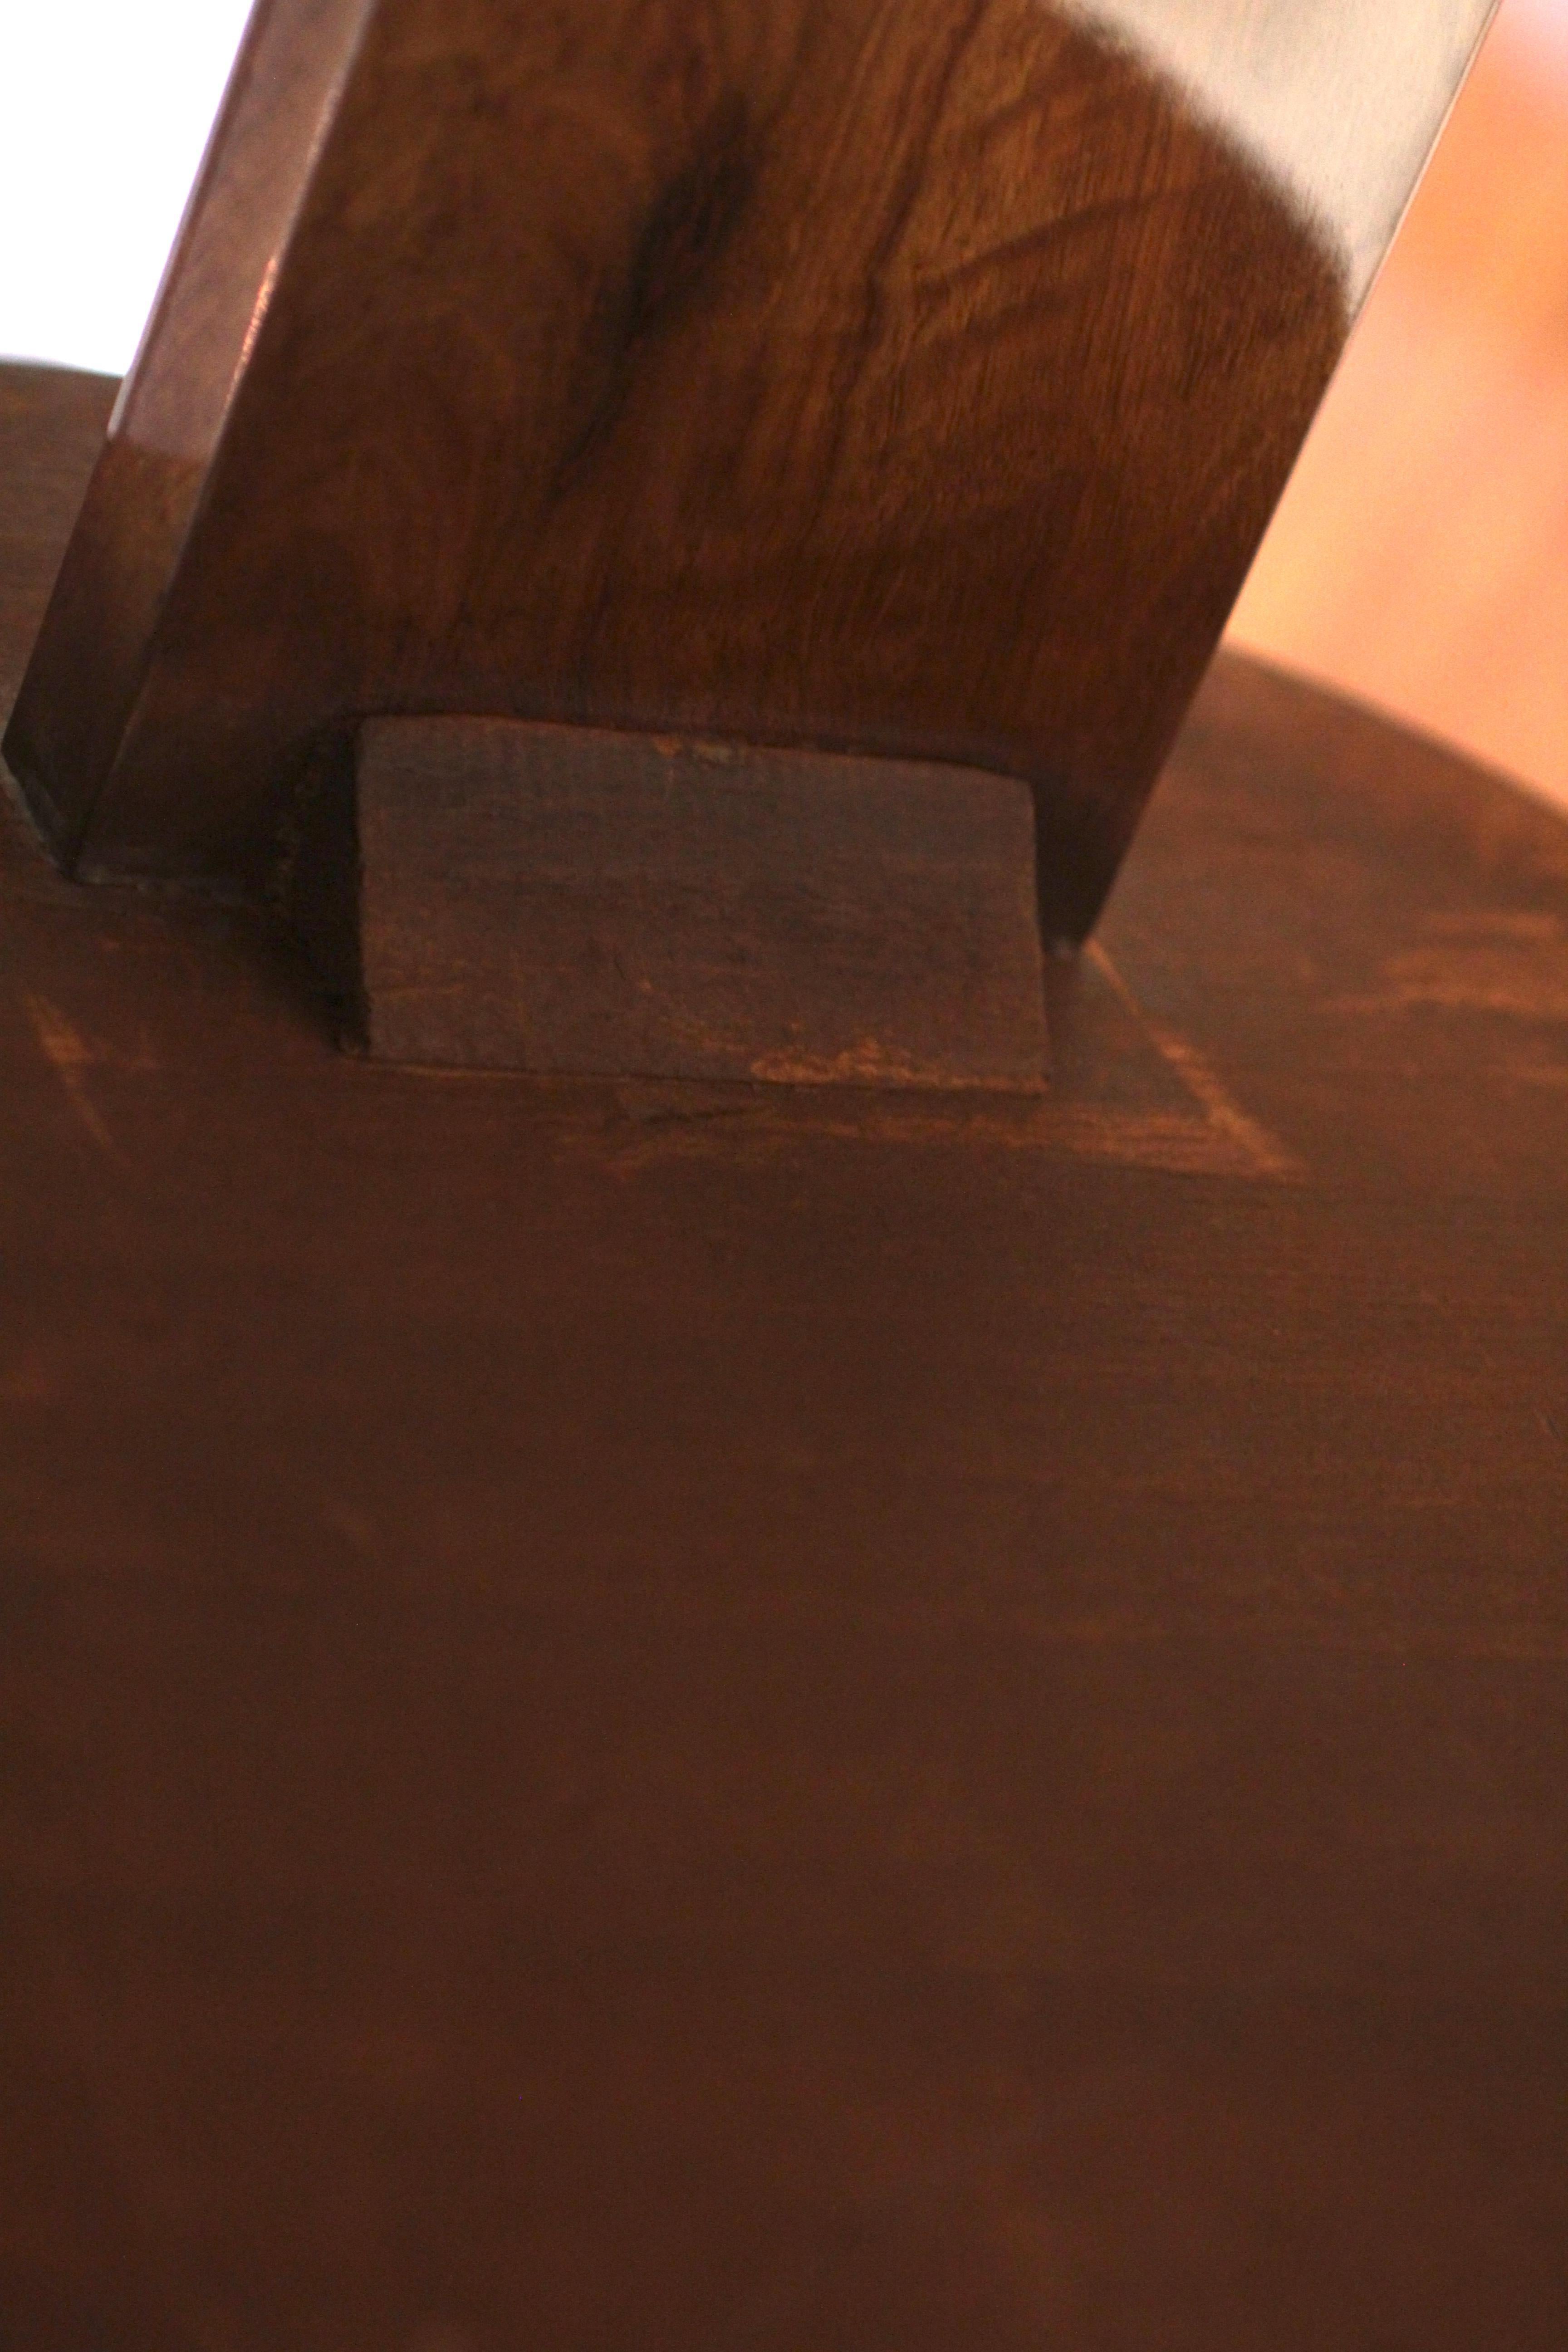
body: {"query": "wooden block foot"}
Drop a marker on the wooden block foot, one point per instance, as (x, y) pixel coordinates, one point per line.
(573, 901)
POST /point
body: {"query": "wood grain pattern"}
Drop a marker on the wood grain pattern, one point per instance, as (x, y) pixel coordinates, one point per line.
(663, 1716)
(562, 899)
(910, 377)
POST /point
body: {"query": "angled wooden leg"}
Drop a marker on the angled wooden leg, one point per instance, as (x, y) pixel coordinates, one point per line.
(907, 379)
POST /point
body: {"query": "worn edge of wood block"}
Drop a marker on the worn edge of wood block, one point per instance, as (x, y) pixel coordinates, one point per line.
(482, 893)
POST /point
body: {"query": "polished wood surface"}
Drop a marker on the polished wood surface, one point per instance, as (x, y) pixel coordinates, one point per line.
(643, 1716)
(908, 379)
(563, 900)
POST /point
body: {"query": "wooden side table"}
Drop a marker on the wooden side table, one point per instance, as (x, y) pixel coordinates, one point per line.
(641, 1717)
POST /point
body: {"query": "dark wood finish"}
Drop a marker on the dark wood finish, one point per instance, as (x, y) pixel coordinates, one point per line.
(651, 1715)
(51, 429)
(912, 379)
(559, 899)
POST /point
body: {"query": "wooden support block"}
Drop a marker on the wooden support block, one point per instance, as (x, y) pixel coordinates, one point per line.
(561, 898)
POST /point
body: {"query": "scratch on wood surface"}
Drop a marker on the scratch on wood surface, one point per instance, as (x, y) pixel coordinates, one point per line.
(1214, 1137)
(869, 1063)
(1223, 1115)
(1173, 1143)
(69, 1055)
(1499, 961)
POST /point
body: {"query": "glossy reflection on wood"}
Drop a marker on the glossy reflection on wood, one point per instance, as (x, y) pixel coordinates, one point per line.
(906, 378)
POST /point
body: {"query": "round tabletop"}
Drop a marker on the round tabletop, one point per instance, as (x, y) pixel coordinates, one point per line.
(649, 1715)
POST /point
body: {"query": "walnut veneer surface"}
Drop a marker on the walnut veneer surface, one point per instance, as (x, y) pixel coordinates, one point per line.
(647, 1716)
